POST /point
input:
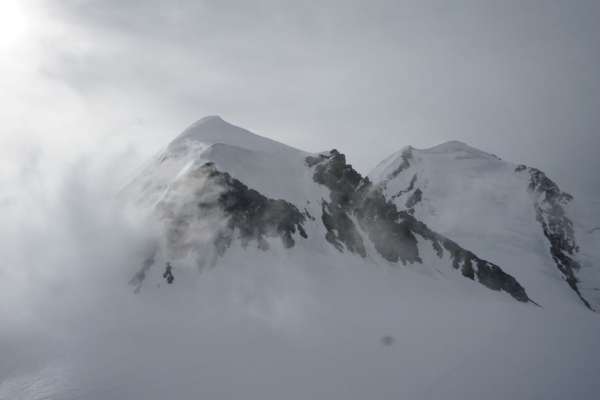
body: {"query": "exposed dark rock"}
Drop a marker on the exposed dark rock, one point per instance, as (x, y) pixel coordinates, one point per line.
(168, 274)
(252, 215)
(308, 215)
(138, 278)
(520, 168)
(341, 229)
(392, 232)
(414, 198)
(406, 156)
(557, 227)
(410, 187)
(312, 161)
(339, 177)
(471, 266)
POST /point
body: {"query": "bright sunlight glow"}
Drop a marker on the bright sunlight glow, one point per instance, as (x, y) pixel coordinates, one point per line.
(13, 24)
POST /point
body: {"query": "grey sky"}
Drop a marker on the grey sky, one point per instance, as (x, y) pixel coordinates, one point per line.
(90, 83)
(516, 78)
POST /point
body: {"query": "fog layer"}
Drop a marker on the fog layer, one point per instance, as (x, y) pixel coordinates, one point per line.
(283, 325)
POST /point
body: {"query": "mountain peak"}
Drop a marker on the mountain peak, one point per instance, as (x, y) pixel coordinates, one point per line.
(210, 119)
(209, 122)
(213, 129)
(450, 146)
(456, 146)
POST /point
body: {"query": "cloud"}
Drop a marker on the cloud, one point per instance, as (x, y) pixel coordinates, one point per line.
(400, 72)
(259, 324)
(97, 86)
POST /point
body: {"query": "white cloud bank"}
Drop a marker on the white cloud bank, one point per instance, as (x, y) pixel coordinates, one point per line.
(279, 327)
(72, 328)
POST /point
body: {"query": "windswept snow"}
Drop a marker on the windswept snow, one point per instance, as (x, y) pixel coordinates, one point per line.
(481, 201)
(309, 320)
(272, 168)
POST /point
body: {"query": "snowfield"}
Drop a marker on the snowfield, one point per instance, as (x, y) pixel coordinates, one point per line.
(285, 286)
(483, 203)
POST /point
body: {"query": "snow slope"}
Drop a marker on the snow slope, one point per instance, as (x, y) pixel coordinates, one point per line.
(270, 167)
(491, 206)
(217, 183)
(313, 285)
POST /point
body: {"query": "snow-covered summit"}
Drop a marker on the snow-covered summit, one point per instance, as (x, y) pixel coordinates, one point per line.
(213, 129)
(445, 153)
(217, 186)
(509, 227)
(265, 164)
(512, 214)
(455, 146)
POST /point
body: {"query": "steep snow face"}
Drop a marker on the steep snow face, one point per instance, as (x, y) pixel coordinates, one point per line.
(346, 297)
(216, 182)
(511, 215)
(395, 235)
(217, 185)
(213, 129)
(272, 168)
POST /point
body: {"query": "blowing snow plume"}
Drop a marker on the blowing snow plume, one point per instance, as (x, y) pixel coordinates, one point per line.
(178, 188)
(262, 271)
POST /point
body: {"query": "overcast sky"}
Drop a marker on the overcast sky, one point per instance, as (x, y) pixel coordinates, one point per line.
(516, 78)
(91, 88)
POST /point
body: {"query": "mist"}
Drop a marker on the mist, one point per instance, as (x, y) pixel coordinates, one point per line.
(281, 326)
(91, 89)
(516, 79)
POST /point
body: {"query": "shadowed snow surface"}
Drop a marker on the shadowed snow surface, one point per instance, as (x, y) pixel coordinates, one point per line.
(266, 320)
